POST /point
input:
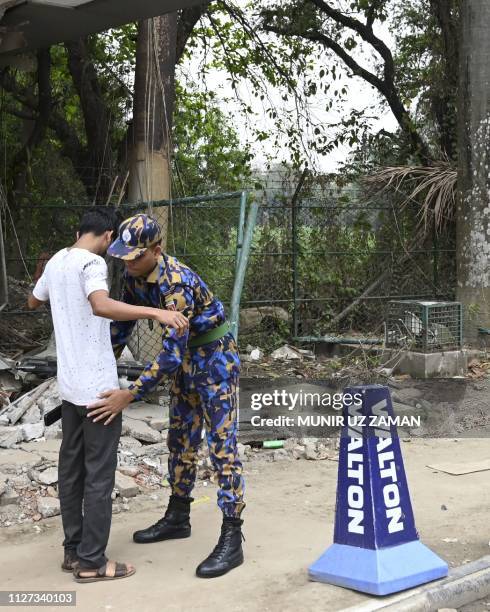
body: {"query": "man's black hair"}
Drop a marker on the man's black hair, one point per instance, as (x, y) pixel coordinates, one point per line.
(98, 220)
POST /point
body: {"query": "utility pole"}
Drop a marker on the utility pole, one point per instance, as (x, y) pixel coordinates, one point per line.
(154, 95)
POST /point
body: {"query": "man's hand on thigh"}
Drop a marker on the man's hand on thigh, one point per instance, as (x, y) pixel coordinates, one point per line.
(110, 405)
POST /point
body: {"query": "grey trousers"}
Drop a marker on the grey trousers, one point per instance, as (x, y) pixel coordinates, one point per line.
(86, 472)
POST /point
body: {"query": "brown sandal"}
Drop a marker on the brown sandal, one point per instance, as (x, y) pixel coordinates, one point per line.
(110, 571)
(70, 561)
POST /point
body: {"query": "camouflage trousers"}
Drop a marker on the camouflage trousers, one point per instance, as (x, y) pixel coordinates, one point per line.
(199, 401)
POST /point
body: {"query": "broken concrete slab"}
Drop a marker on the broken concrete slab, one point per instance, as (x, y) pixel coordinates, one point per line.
(8, 380)
(140, 430)
(32, 431)
(51, 491)
(50, 402)
(19, 482)
(10, 436)
(153, 464)
(128, 443)
(48, 506)
(18, 408)
(159, 424)
(142, 411)
(47, 477)
(310, 451)
(12, 460)
(129, 470)
(49, 449)
(151, 450)
(9, 498)
(53, 432)
(125, 485)
(3, 484)
(32, 415)
(285, 353)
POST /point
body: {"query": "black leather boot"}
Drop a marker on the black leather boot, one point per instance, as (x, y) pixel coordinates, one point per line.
(227, 554)
(174, 525)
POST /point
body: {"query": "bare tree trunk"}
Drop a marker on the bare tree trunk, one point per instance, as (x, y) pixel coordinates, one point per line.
(473, 211)
(153, 110)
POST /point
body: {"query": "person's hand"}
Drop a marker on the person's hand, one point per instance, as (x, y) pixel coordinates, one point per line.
(112, 403)
(173, 319)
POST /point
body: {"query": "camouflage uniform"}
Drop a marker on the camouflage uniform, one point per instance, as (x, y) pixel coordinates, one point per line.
(205, 379)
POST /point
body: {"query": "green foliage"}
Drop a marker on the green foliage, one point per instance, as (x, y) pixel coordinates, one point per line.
(208, 157)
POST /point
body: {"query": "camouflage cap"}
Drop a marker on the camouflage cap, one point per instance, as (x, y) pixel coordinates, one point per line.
(135, 235)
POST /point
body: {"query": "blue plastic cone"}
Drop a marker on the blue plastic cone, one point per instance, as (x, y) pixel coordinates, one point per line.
(376, 546)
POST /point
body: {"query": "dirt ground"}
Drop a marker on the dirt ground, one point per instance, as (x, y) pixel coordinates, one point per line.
(289, 523)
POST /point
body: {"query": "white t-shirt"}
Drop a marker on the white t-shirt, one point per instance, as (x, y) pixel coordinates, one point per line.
(86, 362)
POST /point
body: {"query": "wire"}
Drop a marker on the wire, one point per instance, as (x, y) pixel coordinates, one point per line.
(6, 207)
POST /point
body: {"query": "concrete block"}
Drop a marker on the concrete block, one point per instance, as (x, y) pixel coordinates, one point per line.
(48, 506)
(427, 365)
(140, 430)
(10, 436)
(32, 431)
(125, 485)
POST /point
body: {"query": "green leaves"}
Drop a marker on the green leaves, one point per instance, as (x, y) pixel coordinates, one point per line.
(208, 156)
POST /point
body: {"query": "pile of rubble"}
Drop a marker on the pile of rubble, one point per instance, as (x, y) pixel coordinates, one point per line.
(29, 455)
(21, 330)
(22, 420)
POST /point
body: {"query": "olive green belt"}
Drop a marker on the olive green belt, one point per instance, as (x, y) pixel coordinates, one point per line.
(210, 336)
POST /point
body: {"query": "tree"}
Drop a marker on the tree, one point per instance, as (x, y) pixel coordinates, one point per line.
(342, 28)
(473, 212)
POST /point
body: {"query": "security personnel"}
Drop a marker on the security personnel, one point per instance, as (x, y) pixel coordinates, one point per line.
(204, 365)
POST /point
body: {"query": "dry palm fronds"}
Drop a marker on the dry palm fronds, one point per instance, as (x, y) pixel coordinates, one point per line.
(432, 187)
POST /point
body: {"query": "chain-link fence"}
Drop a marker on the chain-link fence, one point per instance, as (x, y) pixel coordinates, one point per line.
(323, 262)
(326, 261)
(204, 232)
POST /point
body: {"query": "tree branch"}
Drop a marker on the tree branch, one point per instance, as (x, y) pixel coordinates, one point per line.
(328, 42)
(96, 119)
(386, 86)
(364, 31)
(57, 122)
(187, 21)
(44, 102)
(371, 13)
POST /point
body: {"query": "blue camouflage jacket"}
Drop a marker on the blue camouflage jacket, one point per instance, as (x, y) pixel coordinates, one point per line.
(174, 286)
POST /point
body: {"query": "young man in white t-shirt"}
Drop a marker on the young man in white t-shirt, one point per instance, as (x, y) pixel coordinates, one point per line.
(75, 283)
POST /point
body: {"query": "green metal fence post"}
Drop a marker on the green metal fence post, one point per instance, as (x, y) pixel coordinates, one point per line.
(241, 229)
(295, 246)
(242, 268)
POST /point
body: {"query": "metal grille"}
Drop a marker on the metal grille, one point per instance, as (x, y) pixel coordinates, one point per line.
(424, 326)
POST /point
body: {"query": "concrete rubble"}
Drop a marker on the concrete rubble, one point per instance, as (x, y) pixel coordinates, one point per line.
(29, 450)
(29, 455)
